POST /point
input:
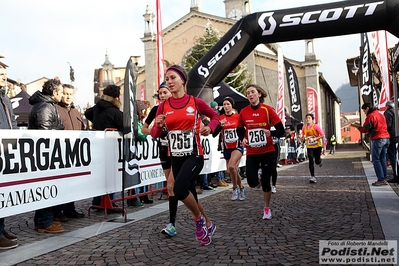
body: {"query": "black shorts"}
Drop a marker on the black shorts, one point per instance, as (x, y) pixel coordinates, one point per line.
(185, 171)
(227, 152)
(165, 159)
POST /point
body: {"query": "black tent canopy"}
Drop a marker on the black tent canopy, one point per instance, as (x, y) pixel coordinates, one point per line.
(223, 90)
(21, 107)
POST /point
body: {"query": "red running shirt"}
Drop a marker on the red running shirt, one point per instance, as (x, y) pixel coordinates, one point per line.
(229, 131)
(255, 122)
(183, 126)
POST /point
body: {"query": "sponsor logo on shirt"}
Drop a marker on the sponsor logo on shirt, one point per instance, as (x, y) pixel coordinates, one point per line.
(190, 110)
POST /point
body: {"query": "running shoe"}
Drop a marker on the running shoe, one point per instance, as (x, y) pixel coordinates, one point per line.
(274, 190)
(208, 239)
(267, 213)
(169, 230)
(201, 231)
(235, 194)
(312, 180)
(243, 194)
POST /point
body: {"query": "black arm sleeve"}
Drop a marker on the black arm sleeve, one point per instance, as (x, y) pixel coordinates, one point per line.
(217, 131)
(151, 115)
(279, 132)
(241, 133)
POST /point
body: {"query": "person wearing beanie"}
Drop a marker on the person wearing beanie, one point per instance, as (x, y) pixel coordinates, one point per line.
(163, 147)
(231, 147)
(106, 114)
(214, 105)
(391, 152)
(180, 117)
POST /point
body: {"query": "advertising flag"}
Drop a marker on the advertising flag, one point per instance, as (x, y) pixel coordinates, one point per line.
(379, 40)
(280, 93)
(160, 45)
(367, 90)
(293, 85)
(131, 175)
(313, 103)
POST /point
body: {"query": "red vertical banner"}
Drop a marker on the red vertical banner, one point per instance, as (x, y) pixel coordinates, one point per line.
(280, 92)
(160, 61)
(379, 40)
(142, 93)
(313, 103)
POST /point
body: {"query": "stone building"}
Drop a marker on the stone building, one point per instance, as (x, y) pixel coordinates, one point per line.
(179, 38)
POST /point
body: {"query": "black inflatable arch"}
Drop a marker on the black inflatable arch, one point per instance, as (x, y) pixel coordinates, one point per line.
(333, 19)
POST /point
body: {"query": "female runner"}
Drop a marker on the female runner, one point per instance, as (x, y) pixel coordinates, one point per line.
(231, 147)
(257, 119)
(163, 94)
(180, 116)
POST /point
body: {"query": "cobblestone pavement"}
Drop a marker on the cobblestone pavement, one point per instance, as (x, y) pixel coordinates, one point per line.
(339, 206)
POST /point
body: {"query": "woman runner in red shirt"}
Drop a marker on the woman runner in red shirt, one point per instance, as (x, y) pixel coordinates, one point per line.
(231, 147)
(180, 116)
(257, 119)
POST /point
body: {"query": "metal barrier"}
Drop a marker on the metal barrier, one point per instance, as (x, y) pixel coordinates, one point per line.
(106, 202)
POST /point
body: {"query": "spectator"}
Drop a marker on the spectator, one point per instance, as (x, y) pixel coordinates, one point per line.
(291, 145)
(333, 143)
(7, 121)
(391, 152)
(44, 115)
(142, 109)
(106, 114)
(72, 120)
(375, 126)
(204, 182)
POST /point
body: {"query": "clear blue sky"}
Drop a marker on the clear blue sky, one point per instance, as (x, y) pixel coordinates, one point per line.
(41, 36)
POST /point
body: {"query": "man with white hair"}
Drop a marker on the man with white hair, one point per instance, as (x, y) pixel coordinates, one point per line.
(391, 152)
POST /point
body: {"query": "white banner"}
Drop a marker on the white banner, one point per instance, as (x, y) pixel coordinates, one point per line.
(41, 168)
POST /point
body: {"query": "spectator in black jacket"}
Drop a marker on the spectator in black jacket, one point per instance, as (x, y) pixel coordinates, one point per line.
(7, 121)
(106, 114)
(391, 152)
(44, 115)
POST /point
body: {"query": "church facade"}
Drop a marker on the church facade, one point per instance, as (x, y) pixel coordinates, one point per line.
(179, 38)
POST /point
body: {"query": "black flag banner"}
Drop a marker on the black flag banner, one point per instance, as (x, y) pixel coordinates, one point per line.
(367, 90)
(307, 22)
(131, 175)
(295, 97)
